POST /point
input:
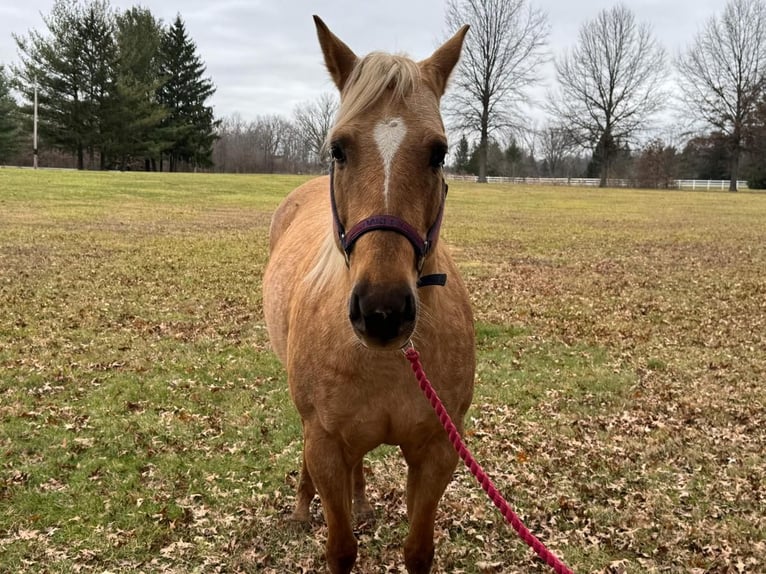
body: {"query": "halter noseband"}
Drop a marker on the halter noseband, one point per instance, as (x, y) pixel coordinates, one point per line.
(390, 223)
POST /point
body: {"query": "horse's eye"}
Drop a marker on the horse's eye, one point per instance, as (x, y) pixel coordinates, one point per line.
(337, 152)
(438, 151)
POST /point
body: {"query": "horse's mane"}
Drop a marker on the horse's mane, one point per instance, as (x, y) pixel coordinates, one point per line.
(329, 262)
(372, 76)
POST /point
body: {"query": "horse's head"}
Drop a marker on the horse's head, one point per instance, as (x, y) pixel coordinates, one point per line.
(388, 145)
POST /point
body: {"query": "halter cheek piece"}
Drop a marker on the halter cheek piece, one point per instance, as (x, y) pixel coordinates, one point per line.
(391, 223)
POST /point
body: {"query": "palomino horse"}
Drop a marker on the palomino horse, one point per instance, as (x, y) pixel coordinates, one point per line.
(355, 274)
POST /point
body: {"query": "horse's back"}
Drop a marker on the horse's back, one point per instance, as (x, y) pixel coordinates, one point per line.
(302, 201)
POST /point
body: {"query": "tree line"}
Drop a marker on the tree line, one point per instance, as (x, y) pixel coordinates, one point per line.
(276, 144)
(115, 89)
(654, 164)
(138, 98)
(612, 84)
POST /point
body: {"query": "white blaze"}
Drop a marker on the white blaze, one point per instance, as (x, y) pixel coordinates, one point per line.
(389, 135)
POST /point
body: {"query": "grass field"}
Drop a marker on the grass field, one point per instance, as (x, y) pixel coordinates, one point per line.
(145, 425)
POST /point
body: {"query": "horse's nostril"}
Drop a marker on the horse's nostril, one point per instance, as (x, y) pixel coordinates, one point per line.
(384, 313)
(383, 325)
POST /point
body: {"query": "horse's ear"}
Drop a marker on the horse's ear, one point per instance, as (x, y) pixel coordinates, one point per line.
(338, 57)
(439, 66)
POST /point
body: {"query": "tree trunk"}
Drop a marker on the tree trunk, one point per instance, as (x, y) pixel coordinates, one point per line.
(734, 169)
(80, 157)
(606, 156)
(483, 147)
(484, 139)
(483, 159)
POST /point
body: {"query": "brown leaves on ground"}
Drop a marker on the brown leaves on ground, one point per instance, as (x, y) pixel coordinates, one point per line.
(660, 470)
(620, 403)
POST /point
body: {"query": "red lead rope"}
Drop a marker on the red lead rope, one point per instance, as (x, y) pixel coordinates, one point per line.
(478, 472)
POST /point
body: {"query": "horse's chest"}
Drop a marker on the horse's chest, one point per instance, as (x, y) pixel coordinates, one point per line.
(391, 423)
(388, 410)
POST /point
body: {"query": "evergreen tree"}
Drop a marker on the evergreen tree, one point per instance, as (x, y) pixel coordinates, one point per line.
(72, 66)
(495, 159)
(706, 157)
(473, 160)
(95, 31)
(514, 158)
(462, 156)
(9, 120)
(184, 92)
(50, 62)
(138, 131)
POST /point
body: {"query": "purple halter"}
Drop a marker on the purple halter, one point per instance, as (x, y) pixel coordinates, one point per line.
(391, 223)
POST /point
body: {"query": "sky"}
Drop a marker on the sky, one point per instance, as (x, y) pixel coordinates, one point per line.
(264, 58)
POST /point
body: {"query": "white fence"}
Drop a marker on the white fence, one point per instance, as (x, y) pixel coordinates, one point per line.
(696, 184)
(708, 184)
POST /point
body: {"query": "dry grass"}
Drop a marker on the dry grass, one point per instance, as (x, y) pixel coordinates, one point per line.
(145, 425)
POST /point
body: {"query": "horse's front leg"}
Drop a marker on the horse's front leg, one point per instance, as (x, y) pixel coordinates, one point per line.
(331, 474)
(430, 468)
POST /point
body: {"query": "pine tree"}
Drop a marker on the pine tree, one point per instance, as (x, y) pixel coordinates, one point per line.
(462, 156)
(95, 30)
(189, 123)
(9, 120)
(48, 61)
(513, 157)
(73, 66)
(138, 130)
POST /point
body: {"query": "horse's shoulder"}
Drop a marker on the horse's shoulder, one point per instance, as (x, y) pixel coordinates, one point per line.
(304, 197)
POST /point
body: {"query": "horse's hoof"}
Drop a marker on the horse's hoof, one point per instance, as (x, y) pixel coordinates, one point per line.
(299, 521)
(364, 515)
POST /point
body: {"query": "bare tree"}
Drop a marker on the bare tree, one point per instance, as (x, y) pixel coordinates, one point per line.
(723, 73)
(314, 120)
(229, 151)
(269, 144)
(270, 133)
(295, 152)
(610, 84)
(657, 166)
(555, 144)
(501, 58)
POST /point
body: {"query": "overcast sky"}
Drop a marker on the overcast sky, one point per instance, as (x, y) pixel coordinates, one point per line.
(264, 58)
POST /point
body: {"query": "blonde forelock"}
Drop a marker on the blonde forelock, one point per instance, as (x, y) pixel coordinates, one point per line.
(372, 76)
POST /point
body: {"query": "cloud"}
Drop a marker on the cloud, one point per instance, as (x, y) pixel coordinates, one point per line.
(264, 58)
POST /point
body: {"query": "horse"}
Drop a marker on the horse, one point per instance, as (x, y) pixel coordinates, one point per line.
(356, 272)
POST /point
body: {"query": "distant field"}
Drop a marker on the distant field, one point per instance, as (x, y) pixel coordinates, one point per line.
(145, 425)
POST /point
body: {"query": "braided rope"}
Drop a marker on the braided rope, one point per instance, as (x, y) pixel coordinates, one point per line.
(477, 471)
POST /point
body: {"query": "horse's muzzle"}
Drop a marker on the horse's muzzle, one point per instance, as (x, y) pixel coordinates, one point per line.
(383, 316)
